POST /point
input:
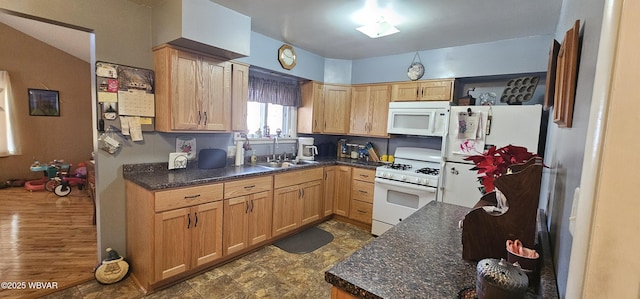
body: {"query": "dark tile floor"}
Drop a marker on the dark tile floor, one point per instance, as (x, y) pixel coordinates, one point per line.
(267, 273)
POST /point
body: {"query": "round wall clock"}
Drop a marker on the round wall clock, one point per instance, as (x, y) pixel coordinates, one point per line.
(415, 71)
(287, 56)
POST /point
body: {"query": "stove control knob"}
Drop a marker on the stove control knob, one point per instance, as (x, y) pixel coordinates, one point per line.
(423, 181)
(404, 177)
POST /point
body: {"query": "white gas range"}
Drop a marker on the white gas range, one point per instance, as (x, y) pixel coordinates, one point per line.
(404, 186)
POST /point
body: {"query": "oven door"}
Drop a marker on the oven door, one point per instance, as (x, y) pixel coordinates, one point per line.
(394, 201)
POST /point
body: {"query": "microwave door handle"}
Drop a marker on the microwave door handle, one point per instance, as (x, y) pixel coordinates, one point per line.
(432, 122)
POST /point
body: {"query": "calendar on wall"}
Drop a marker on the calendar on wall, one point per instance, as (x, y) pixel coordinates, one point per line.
(126, 97)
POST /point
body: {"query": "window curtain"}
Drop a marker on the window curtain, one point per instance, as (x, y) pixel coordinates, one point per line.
(8, 132)
(269, 88)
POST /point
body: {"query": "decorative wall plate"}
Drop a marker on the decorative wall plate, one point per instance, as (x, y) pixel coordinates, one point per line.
(416, 69)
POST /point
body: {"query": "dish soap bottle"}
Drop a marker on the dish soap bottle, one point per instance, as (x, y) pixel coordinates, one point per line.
(254, 158)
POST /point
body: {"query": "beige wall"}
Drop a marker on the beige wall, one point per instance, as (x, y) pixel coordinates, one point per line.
(612, 267)
(34, 64)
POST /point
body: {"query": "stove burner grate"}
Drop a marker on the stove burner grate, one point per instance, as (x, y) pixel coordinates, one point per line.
(399, 166)
(429, 171)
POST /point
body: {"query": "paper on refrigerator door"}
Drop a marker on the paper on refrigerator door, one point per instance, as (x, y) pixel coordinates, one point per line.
(471, 135)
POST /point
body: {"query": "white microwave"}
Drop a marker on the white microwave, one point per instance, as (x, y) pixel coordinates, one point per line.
(418, 118)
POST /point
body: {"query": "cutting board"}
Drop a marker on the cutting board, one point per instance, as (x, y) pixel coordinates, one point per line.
(212, 158)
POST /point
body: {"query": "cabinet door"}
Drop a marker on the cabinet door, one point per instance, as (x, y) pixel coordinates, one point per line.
(408, 91)
(330, 174)
(379, 110)
(310, 113)
(206, 234)
(310, 201)
(185, 100)
(337, 106)
(239, 96)
(440, 90)
(285, 209)
(260, 215)
(236, 225)
(172, 242)
(214, 85)
(360, 106)
(342, 191)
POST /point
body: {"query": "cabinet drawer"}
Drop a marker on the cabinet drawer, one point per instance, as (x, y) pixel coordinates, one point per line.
(247, 186)
(297, 177)
(361, 211)
(184, 197)
(366, 175)
(362, 191)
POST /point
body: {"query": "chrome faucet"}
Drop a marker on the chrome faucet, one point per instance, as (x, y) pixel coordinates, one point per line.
(273, 149)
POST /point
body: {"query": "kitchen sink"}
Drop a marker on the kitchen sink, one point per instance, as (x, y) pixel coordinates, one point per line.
(285, 164)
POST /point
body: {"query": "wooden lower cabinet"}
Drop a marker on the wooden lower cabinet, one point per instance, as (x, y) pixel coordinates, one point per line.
(297, 199)
(247, 213)
(337, 190)
(187, 238)
(361, 204)
(340, 294)
(247, 221)
(170, 232)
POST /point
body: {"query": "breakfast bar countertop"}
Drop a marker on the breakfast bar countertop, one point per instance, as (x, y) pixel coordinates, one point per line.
(421, 257)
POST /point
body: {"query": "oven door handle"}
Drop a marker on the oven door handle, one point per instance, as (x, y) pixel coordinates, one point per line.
(405, 185)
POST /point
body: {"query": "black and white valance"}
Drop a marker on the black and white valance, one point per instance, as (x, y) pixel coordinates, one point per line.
(274, 89)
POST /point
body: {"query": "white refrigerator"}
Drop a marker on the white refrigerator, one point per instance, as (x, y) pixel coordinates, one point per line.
(469, 134)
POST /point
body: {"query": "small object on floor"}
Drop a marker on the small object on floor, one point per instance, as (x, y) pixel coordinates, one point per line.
(467, 293)
(305, 241)
(112, 269)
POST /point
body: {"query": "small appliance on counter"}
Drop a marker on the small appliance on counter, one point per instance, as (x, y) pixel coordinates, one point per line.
(306, 149)
(212, 158)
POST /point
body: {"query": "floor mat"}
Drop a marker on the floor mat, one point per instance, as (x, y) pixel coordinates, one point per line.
(305, 241)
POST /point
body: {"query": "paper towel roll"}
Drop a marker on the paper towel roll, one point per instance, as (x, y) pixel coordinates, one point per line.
(239, 154)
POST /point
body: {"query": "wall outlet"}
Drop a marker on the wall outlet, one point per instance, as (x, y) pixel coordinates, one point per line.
(231, 151)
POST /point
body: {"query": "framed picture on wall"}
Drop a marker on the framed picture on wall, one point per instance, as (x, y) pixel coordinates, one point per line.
(44, 102)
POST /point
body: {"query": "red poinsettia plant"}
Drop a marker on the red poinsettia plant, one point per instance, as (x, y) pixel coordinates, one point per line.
(495, 162)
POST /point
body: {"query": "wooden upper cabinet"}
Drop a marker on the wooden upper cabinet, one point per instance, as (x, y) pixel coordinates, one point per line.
(337, 105)
(193, 91)
(325, 108)
(310, 116)
(239, 96)
(426, 90)
(369, 110)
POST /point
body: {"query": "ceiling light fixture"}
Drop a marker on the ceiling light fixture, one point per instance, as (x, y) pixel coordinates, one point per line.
(378, 29)
(376, 21)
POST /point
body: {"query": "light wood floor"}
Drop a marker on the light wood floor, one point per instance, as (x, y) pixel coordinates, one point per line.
(45, 238)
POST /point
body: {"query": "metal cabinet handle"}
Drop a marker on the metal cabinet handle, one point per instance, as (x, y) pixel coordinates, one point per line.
(199, 117)
(206, 119)
(249, 187)
(362, 191)
(251, 206)
(188, 220)
(246, 207)
(363, 212)
(196, 224)
(192, 196)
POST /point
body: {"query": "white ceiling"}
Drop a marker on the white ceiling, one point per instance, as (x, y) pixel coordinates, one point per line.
(324, 27)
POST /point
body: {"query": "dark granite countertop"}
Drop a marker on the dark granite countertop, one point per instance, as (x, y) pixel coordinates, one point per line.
(421, 257)
(156, 176)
